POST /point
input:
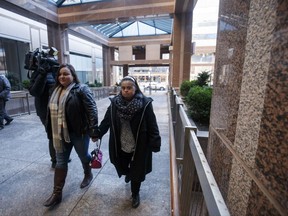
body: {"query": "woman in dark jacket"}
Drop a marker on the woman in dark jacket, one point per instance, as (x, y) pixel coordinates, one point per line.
(134, 134)
(72, 120)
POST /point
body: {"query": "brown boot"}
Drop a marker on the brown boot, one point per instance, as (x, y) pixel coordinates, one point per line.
(59, 181)
(88, 176)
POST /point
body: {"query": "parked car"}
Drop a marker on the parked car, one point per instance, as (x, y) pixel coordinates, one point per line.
(155, 86)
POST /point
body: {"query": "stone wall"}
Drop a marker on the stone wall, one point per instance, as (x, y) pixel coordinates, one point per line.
(248, 137)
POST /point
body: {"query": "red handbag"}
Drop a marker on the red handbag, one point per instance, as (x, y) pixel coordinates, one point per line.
(96, 161)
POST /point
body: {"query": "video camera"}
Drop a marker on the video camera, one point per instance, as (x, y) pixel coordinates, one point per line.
(45, 59)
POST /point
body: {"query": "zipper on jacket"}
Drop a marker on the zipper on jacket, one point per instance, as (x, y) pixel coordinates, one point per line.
(113, 127)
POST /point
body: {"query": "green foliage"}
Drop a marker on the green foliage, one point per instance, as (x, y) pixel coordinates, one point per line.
(14, 82)
(91, 85)
(185, 87)
(199, 103)
(98, 84)
(203, 78)
(95, 84)
(25, 84)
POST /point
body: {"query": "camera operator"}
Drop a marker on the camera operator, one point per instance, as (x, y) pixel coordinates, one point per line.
(42, 82)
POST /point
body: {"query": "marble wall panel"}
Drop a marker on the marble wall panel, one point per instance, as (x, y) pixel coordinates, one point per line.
(272, 153)
(249, 113)
(230, 53)
(262, 128)
(220, 160)
(259, 204)
(239, 189)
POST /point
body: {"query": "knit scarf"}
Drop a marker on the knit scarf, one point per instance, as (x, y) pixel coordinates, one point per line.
(127, 109)
(58, 118)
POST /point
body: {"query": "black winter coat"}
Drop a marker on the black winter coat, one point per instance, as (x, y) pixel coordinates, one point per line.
(5, 88)
(81, 112)
(146, 133)
(41, 86)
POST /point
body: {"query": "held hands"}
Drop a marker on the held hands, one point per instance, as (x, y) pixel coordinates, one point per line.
(94, 139)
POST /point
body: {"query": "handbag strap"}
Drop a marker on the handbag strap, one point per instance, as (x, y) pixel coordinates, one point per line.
(98, 146)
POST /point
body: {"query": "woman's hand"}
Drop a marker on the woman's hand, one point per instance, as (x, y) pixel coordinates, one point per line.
(94, 139)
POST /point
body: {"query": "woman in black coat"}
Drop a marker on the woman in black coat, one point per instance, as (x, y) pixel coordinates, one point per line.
(134, 134)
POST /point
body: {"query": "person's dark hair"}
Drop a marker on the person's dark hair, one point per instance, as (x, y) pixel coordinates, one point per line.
(72, 70)
(131, 78)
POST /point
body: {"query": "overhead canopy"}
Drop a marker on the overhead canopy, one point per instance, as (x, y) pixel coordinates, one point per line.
(152, 25)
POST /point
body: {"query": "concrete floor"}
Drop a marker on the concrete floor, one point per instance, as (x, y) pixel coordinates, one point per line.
(26, 179)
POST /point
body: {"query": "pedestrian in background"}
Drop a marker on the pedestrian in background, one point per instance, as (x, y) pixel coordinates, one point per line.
(134, 134)
(72, 121)
(5, 95)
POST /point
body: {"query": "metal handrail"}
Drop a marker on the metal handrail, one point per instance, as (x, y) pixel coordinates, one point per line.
(192, 179)
(175, 211)
(22, 102)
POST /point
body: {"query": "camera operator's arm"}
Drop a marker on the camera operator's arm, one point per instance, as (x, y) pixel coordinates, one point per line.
(38, 82)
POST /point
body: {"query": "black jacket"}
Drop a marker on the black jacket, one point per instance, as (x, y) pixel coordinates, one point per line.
(81, 112)
(41, 86)
(5, 88)
(146, 133)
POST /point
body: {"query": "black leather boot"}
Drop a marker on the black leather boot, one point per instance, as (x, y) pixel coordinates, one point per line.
(88, 176)
(135, 200)
(135, 188)
(59, 181)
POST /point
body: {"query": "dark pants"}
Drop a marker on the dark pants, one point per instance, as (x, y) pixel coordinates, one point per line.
(126, 160)
(52, 151)
(50, 143)
(3, 113)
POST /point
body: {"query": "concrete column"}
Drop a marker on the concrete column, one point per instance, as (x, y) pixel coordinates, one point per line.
(182, 36)
(125, 70)
(107, 72)
(113, 72)
(58, 38)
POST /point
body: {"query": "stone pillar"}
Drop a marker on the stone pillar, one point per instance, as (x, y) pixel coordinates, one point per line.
(58, 38)
(182, 36)
(107, 72)
(125, 70)
(248, 137)
(112, 58)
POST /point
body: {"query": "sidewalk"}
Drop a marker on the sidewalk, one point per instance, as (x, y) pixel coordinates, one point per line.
(26, 179)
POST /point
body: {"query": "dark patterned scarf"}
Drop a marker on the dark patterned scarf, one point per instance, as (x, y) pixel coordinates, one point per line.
(127, 109)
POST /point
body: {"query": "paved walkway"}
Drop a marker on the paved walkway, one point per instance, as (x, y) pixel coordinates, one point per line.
(26, 179)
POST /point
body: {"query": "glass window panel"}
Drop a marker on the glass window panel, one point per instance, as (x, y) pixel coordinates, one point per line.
(158, 31)
(71, 2)
(53, 1)
(99, 70)
(85, 1)
(119, 34)
(146, 29)
(83, 67)
(98, 52)
(131, 30)
(208, 58)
